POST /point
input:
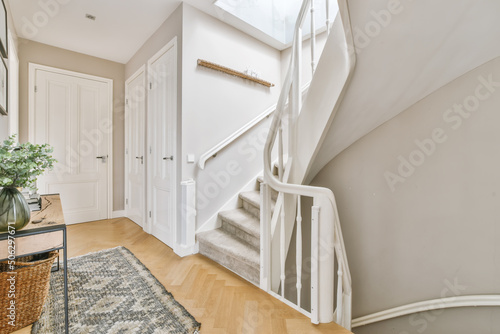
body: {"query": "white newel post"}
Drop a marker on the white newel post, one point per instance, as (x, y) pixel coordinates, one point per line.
(326, 257)
(187, 244)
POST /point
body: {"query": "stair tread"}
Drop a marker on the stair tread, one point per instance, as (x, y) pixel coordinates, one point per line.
(243, 220)
(231, 245)
(252, 197)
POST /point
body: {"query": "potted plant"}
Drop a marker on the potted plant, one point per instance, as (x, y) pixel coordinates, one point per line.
(20, 165)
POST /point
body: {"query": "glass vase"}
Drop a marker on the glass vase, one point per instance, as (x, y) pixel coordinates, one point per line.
(14, 210)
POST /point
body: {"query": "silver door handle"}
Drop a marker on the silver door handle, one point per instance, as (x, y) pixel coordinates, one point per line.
(169, 158)
(142, 159)
(103, 157)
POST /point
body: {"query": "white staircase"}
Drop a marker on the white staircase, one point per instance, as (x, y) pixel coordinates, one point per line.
(236, 244)
(260, 232)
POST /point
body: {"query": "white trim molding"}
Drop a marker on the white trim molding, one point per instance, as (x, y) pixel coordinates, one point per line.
(118, 214)
(428, 305)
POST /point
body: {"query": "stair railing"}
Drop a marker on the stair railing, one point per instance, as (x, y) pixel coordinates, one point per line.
(327, 245)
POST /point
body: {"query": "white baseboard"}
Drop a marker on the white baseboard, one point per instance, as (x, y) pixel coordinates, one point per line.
(234, 203)
(429, 305)
(118, 214)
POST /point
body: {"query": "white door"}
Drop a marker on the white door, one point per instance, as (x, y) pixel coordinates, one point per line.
(135, 146)
(72, 112)
(162, 108)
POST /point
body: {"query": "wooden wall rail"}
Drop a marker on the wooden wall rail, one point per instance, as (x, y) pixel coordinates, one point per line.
(227, 70)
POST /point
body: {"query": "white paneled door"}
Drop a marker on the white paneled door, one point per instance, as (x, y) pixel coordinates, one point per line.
(135, 146)
(162, 109)
(72, 112)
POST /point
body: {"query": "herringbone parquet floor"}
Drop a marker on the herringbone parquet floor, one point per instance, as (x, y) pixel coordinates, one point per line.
(223, 302)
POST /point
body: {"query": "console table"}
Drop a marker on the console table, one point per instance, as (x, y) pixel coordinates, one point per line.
(45, 232)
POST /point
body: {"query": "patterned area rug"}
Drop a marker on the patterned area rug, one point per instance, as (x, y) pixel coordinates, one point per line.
(112, 292)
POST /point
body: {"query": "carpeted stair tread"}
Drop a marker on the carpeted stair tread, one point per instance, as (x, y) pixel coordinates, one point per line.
(231, 246)
(251, 202)
(241, 224)
(242, 219)
(231, 252)
(251, 197)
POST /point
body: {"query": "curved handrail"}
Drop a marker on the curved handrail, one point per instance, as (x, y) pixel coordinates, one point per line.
(305, 190)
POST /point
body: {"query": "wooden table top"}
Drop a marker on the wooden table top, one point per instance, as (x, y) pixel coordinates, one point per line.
(49, 217)
(50, 213)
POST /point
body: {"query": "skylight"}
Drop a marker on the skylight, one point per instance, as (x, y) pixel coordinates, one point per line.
(276, 18)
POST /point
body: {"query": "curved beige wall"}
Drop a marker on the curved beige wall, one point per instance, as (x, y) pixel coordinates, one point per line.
(406, 50)
(419, 202)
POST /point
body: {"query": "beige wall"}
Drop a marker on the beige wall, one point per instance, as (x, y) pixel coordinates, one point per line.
(419, 206)
(33, 52)
(172, 27)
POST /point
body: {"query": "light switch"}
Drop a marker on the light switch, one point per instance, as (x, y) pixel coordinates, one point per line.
(190, 158)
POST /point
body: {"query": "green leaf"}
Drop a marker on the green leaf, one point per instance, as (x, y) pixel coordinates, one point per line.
(21, 164)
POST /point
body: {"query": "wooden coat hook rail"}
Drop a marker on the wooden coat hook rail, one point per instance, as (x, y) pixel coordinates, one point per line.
(227, 70)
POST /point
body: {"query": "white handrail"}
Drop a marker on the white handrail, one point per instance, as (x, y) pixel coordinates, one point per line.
(217, 148)
(303, 190)
(292, 80)
(230, 139)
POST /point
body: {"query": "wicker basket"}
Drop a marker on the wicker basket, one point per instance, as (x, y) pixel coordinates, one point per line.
(31, 288)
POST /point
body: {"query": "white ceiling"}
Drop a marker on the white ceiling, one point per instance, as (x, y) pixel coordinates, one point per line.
(120, 29)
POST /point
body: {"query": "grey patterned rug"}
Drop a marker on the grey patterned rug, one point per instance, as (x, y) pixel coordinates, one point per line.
(112, 292)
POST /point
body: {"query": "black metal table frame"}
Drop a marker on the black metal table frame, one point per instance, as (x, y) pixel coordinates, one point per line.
(42, 230)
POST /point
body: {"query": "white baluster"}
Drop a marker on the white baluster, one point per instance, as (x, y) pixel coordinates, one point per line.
(282, 252)
(296, 100)
(299, 250)
(265, 240)
(327, 17)
(340, 296)
(280, 154)
(313, 39)
(314, 265)
(282, 225)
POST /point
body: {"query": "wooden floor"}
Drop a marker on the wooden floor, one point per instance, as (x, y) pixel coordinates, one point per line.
(222, 301)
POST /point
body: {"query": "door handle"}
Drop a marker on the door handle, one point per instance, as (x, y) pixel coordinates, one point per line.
(142, 159)
(103, 157)
(169, 158)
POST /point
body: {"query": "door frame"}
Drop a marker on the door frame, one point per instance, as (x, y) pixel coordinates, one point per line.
(140, 71)
(33, 67)
(13, 87)
(173, 182)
